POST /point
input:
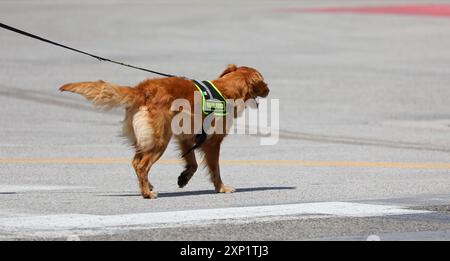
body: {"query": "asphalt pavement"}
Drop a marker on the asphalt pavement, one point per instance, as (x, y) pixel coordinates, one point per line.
(364, 121)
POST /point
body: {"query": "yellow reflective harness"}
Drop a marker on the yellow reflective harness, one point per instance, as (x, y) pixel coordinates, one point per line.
(212, 99)
(212, 102)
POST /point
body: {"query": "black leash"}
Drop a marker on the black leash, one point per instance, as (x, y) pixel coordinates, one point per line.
(7, 27)
(199, 138)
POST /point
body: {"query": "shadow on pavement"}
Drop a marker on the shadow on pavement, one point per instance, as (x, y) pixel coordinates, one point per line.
(200, 192)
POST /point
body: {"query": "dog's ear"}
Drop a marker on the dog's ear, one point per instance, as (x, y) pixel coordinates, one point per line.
(255, 82)
(230, 68)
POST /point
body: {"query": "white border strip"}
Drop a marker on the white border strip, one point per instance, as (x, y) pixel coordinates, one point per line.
(201, 216)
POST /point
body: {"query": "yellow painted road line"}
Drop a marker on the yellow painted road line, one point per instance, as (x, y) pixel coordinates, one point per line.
(354, 164)
(63, 160)
(300, 163)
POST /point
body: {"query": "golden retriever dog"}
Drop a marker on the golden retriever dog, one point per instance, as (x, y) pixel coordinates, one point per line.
(147, 123)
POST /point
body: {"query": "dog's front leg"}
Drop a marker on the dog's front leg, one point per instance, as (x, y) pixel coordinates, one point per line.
(191, 162)
(211, 148)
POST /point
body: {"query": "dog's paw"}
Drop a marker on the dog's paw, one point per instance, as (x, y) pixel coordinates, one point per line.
(183, 179)
(226, 189)
(150, 195)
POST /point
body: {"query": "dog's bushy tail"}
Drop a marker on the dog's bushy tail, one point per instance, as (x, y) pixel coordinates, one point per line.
(105, 95)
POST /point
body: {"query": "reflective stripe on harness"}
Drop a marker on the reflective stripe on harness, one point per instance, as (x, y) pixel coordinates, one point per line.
(212, 99)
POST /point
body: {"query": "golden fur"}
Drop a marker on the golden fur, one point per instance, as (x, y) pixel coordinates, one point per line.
(147, 123)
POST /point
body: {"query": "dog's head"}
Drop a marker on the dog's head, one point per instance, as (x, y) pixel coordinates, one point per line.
(248, 82)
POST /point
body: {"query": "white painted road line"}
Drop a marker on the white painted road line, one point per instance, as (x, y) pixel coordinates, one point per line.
(200, 217)
(26, 188)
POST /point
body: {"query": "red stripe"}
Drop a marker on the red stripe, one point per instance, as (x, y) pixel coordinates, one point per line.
(427, 10)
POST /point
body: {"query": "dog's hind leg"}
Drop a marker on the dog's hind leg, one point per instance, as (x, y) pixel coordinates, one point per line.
(152, 137)
(141, 164)
(211, 148)
(191, 162)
